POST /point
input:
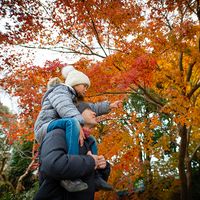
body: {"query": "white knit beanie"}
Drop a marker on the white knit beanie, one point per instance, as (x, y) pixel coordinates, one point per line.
(74, 77)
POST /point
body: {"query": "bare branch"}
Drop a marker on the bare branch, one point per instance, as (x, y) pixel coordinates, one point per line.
(97, 37)
(165, 16)
(76, 38)
(167, 21)
(197, 11)
(4, 181)
(84, 44)
(194, 152)
(70, 51)
(20, 186)
(189, 6)
(181, 61)
(193, 90)
(110, 93)
(189, 72)
(96, 33)
(3, 163)
(150, 98)
(117, 67)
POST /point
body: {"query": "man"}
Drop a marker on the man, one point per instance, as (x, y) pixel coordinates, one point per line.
(57, 165)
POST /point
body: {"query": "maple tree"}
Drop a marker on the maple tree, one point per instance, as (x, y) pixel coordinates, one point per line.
(147, 48)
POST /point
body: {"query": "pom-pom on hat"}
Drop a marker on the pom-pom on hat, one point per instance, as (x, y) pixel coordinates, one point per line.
(74, 77)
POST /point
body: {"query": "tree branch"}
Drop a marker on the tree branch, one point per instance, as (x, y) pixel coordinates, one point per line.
(181, 61)
(189, 72)
(165, 16)
(189, 6)
(110, 93)
(193, 90)
(62, 51)
(75, 37)
(20, 186)
(5, 181)
(96, 33)
(84, 44)
(151, 98)
(3, 161)
(194, 153)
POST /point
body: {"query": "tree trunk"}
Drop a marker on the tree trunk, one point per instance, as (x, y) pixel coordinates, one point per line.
(188, 167)
(181, 164)
(189, 177)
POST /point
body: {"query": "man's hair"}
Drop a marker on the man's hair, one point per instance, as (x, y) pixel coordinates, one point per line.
(82, 106)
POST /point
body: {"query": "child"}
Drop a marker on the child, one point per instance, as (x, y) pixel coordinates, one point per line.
(59, 111)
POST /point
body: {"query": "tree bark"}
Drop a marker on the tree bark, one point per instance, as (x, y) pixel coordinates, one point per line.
(181, 164)
(188, 166)
(189, 179)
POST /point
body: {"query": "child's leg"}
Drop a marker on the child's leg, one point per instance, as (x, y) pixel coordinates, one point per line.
(93, 144)
(72, 130)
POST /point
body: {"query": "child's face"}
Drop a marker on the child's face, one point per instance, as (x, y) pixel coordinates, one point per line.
(81, 89)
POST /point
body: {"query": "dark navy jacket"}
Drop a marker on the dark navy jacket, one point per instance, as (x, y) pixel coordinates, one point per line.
(57, 165)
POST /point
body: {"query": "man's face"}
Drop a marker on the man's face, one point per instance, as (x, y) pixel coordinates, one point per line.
(89, 117)
(81, 89)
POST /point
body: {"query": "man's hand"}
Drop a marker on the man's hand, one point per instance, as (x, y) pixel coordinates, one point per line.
(95, 157)
(101, 162)
(116, 104)
(81, 137)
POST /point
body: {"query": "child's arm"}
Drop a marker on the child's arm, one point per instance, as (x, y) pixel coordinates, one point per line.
(100, 108)
(104, 107)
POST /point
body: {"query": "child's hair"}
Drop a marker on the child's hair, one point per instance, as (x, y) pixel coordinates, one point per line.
(53, 82)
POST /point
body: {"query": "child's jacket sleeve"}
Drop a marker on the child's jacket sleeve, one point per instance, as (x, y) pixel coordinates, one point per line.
(100, 108)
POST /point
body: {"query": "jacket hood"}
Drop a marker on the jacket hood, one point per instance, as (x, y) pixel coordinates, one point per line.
(70, 89)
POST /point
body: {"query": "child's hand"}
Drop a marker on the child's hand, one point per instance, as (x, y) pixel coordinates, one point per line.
(81, 137)
(116, 104)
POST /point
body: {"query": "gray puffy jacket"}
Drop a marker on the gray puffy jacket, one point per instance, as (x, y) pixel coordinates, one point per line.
(59, 102)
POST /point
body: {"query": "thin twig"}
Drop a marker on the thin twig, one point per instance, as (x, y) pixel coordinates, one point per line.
(195, 151)
(61, 51)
